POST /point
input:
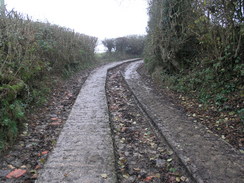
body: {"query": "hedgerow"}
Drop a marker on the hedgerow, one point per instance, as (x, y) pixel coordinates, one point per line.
(30, 53)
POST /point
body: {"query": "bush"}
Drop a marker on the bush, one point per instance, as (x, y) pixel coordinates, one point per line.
(197, 45)
(132, 45)
(30, 52)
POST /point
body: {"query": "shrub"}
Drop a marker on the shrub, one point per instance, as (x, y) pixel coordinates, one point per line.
(30, 52)
(198, 45)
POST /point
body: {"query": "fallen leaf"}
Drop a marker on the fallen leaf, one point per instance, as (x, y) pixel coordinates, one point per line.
(55, 124)
(33, 171)
(122, 140)
(123, 129)
(177, 179)
(173, 170)
(70, 95)
(104, 176)
(183, 178)
(34, 176)
(54, 119)
(16, 173)
(23, 167)
(38, 167)
(169, 160)
(137, 169)
(152, 144)
(149, 178)
(43, 153)
(11, 167)
(42, 160)
(126, 176)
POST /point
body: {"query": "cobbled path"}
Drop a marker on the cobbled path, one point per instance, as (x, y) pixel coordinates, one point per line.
(206, 156)
(84, 150)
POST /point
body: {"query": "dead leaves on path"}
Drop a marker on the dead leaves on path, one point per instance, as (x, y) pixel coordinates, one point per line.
(16, 173)
(141, 156)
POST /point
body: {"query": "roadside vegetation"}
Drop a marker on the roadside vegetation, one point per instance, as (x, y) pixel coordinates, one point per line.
(196, 48)
(32, 56)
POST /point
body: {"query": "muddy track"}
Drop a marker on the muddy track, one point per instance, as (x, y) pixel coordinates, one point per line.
(207, 157)
(152, 140)
(142, 154)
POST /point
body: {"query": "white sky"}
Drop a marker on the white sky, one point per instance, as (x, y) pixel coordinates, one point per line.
(99, 18)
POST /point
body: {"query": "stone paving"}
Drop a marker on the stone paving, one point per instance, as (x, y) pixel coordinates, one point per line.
(206, 156)
(84, 151)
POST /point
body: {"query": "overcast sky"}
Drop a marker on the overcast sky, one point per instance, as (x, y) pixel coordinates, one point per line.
(99, 18)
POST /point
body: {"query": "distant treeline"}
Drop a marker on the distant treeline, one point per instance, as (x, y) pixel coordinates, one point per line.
(131, 45)
(30, 52)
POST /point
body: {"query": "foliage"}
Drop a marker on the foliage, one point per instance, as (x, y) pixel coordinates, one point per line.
(135, 45)
(198, 46)
(109, 44)
(30, 52)
(168, 38)
(131, 45)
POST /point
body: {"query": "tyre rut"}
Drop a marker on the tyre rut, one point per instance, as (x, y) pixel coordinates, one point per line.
(141, 153)
(207, 157)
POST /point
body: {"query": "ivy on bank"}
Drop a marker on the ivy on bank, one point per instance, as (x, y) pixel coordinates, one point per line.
(196, 47)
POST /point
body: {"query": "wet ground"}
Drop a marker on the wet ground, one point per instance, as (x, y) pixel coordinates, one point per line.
(30, 152)
(142, 154)
(206, 155)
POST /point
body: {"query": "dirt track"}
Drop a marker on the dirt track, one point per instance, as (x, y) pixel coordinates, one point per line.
(151, 140)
